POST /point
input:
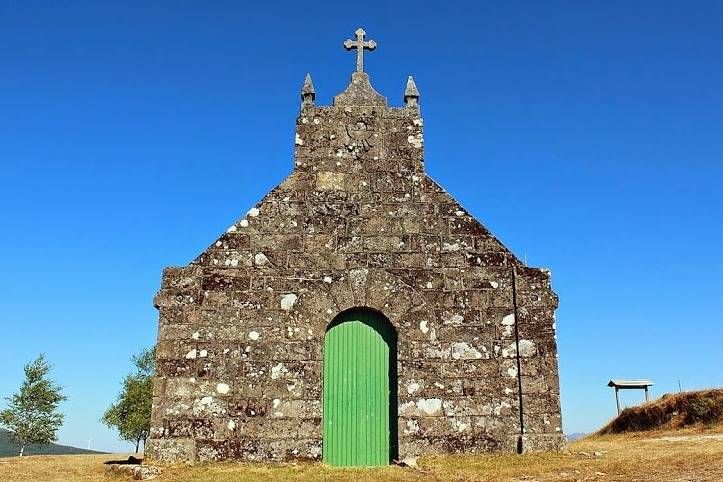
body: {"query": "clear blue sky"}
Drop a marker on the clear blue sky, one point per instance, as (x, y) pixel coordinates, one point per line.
(587, 136)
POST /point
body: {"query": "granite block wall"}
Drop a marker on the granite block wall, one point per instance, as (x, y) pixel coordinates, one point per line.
(357, 223)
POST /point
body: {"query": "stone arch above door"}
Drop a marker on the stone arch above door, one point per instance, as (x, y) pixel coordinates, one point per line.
(372, 288)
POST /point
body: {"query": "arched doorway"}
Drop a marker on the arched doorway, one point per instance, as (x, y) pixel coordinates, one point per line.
(360, 390)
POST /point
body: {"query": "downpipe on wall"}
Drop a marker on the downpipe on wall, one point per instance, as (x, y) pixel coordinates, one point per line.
(520, 447)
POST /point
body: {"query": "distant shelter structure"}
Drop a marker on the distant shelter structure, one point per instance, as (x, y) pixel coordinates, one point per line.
(620, 384)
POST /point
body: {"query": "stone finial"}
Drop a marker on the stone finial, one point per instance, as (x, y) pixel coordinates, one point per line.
(411, 94)
(308, 94)
(359, 44)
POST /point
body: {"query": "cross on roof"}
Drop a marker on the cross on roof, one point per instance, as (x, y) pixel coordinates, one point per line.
(359, 44)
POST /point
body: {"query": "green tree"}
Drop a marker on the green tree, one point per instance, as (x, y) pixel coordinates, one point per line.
(32, 414)
(131, 412)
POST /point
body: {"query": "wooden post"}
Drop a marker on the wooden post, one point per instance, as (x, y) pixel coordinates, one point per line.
(617, 400)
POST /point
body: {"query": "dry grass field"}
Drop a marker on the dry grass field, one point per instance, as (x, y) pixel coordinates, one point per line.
(688, 455)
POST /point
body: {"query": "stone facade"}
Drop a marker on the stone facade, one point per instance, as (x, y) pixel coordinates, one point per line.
(358, 223)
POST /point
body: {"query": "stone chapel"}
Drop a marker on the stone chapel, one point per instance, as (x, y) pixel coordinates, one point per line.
(358, 314)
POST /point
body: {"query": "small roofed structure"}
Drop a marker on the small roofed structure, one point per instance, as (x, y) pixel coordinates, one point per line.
(620, 384)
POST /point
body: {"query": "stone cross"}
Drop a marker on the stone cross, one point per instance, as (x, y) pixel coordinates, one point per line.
(359, 44)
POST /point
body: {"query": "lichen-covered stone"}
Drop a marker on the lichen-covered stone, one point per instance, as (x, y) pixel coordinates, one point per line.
(358, 223)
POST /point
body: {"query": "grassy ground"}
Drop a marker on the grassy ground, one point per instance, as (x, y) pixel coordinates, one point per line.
(660, 456)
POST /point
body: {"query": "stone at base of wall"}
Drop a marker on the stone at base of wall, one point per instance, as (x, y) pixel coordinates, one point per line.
(189, 450)
(138, 472)
(542, 442)
(184, 449)
(461, 444)
(259, 449)
(171, 450)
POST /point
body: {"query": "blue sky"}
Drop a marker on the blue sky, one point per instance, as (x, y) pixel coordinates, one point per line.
(586, 135)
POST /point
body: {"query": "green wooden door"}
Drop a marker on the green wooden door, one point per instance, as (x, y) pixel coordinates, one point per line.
(356, 389)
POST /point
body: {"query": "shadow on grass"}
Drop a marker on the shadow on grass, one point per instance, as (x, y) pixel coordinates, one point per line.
(129, 461)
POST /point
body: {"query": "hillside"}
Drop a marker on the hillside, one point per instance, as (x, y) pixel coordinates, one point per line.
(9, 449)
(571, 437)
(700, 409)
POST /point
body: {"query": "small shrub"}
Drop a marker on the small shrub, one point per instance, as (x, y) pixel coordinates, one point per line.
(704, 410)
